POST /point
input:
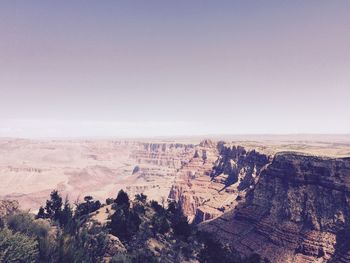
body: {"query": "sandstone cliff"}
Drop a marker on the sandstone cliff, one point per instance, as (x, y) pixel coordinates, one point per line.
(207, 188)
(286, 206)
(297, 211)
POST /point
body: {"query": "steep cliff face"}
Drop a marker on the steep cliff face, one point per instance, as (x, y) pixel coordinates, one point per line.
(157, 163)
(240, 165)
(297, 211)
(215, 179)
(162, 154)
(192, 183)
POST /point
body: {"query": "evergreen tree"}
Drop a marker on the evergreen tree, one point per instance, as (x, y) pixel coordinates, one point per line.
(122, 200)
(54, 206)
(66, 214)
(125, 223)
(179, 221)
(87, 207)
(88, 198)
(118, 225)
(141, 198)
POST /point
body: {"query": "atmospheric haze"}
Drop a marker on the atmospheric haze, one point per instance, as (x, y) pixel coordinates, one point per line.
(150, 68)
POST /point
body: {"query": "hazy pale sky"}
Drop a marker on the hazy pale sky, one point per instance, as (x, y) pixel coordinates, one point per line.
(144, 68)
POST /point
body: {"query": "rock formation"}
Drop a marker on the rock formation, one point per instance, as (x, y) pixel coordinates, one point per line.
(31, 169)
(288, 207)
(206, 189)
(285, 206)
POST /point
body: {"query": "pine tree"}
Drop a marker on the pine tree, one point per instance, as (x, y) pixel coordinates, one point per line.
(66, 214)
(54, 205)
(123, 200)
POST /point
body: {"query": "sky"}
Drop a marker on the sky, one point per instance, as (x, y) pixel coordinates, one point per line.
(165, 68)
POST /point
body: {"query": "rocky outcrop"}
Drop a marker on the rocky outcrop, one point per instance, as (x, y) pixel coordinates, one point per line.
(157, 164)
(114, 247)
(239, 164)
(297, 211)
(162, 154)
(192, 183)
(216, 179)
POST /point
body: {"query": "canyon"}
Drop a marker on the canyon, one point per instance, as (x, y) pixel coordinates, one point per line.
(287, 199)
(31, 169)
(287, 206)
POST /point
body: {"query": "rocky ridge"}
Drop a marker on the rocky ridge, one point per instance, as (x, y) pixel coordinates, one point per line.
(207, 188)
(288, 207)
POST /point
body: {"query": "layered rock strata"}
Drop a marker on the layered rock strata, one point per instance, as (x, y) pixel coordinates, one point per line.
(31, 169)
(297, 211)
(207, 187)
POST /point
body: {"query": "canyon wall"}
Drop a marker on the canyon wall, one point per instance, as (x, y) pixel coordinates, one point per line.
(31, 169)
(155, 167)
(287, 207)
(207, 188)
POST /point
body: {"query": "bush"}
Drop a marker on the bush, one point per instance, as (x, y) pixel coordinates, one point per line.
(141, 198)
(157, 207)
(179, 221)
(124, 224)
(160, 224)
(41, 213)
(87, 207)
(139, 209)
(88, 245)
(17, 247)
(109, 201)
(21, 222)
(37, 229)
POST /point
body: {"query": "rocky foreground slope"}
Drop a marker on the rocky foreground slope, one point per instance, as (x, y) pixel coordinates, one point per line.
(286, 206)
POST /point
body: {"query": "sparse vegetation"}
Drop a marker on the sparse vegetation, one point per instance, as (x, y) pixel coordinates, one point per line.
(148, 232)
(17, 247)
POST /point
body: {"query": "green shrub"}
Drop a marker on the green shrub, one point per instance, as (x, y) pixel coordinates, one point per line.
(87, 207)
(17, 247)
(109, 201)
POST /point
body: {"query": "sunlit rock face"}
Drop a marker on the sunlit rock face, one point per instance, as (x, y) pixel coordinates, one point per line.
(285, 206)
(207, 188)
(298, 210)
